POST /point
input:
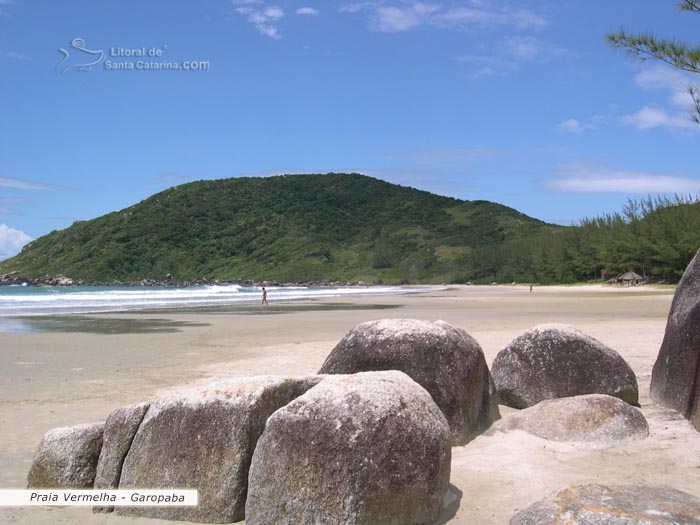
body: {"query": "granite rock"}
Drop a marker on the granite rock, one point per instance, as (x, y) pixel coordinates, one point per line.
(443, 359)
(675, 379)
(613, 505)
(67, 458)
(552, 361)
(368, 448)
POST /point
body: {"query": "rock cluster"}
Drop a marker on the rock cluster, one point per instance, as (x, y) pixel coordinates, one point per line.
(443, 359)
(363, 446)
(14, 278)
(552, 361)
(675, 380)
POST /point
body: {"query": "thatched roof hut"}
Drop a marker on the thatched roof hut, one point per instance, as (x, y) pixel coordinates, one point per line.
(630, 278)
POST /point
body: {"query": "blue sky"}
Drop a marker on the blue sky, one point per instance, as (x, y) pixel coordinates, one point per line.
(517, 102)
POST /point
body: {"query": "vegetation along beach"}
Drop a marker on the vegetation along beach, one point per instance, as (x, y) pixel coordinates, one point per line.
(389, 262)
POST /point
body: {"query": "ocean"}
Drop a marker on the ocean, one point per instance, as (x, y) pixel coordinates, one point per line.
(66, 300)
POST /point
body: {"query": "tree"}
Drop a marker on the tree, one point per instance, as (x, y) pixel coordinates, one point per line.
(677, 54)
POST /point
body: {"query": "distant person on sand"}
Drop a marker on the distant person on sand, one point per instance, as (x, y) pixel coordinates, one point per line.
(264, 298)
(530, 288)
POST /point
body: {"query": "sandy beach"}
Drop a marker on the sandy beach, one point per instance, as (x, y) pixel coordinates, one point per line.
(64, 378)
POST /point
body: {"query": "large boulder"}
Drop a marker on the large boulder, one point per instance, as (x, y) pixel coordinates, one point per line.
(204, 439)
(443, 359)
(120, 428)
(363, 449)
(595, 419)
(612, 505)
(552, 361)
(675, 379)
(67, 458)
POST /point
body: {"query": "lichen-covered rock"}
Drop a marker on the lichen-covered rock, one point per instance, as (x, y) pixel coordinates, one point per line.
(613, 505)
(67, 458)
(120, 429)
(443, 359)
(595, 419)
(368, 448)
(675, 380)
(204, 439)
(552, 361)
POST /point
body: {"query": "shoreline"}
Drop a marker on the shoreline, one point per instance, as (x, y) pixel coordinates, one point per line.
(22, 303)
(57, 379)
(23, 322)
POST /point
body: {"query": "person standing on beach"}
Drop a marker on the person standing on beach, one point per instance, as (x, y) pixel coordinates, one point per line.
(264, 298)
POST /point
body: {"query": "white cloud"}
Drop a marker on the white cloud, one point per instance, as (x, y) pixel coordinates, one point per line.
(673, 85)
(672, 111)
(663, 78)
(510, 55)
(358, 6)
(488, 66)
(19, 184)
(524, 19)
(572, 125)
(262, 18)
(11, 201)
(649, 118)
(586, 179)
(403, 16)
(486, 71)
(395, 19)
(6, 3)
(462, 16)
(11, 241)
(12, 55)
(273, 13)
(307, 11)
(529, 48)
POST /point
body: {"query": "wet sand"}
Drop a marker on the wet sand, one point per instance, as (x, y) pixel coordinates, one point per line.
(59, 378)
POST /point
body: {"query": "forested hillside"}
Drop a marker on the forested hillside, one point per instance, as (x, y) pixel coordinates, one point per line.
(290, 228)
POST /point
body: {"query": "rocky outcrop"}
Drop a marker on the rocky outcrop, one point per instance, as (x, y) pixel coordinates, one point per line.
(675, 379)
(613, 505)
(363, 449)
(67, 458)
(14, 278)
(594, 419)
(120, 429)
(552, 361)
(443, 359)
(204, 439)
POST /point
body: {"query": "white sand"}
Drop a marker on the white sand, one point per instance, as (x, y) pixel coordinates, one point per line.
(52, 380)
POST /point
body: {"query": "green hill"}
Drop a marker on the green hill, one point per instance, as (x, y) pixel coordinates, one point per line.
(289, 228)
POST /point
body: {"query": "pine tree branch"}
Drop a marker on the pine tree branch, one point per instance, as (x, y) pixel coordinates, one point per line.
(695, 94)
(646, 46)
(690, 5)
